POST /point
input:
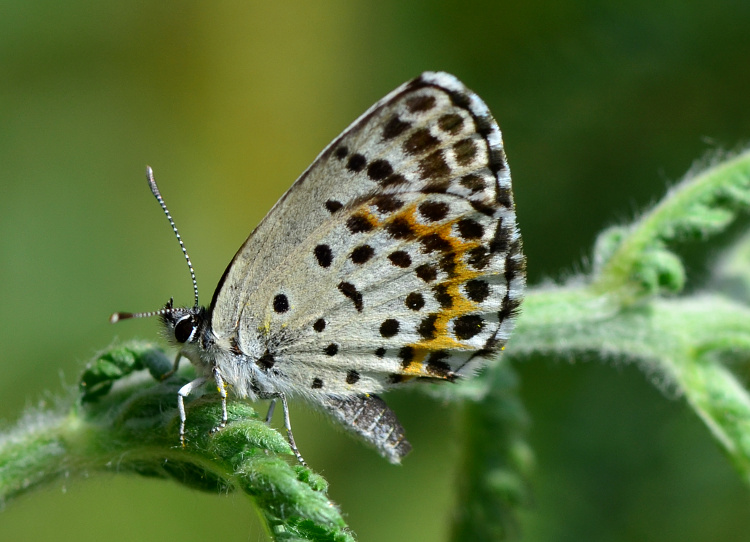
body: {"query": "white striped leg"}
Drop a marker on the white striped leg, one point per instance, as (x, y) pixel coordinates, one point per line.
(288, 425)
(222, 389)
(183, 392)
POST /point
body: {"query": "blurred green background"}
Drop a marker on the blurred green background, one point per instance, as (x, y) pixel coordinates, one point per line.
(602, 104)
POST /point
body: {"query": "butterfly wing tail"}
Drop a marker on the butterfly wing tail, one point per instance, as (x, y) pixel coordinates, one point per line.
(368, 417)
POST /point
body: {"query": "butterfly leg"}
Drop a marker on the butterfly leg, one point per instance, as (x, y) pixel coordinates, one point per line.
(175, 366)
(271, 408)
(222, 389)
(183, 392)
(288, 425)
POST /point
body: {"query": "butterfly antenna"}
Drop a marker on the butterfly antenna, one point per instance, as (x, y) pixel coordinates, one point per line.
(116, 317)
(157, 195)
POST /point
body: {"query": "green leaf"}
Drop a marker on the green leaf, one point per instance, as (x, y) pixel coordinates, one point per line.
(123, 422)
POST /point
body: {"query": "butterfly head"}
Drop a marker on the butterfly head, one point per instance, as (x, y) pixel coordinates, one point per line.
(182, 325)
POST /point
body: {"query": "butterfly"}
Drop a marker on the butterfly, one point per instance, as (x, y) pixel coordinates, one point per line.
(394, 258)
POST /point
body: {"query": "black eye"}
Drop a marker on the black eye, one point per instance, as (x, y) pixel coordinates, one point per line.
(184, 329)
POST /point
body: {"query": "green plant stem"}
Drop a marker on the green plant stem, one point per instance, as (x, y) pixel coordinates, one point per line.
(33, 455)
(680, 342)
(497, 462)
(700, 205)
(127, 423)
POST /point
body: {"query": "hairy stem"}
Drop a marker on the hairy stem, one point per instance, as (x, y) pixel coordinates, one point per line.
(127, 423)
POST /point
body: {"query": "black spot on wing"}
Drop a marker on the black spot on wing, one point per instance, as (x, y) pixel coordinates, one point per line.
(433, 211)
(473, 182)
(442, 295)
(350, 291)
(324, 255)
(467, 326)
(332, 205)
(389, 328)
(420, 142)
(359, 223)
(433, 242)
(400, 258)
(478, 257)
(356, 163)
(477, 290)
(352, 377)
(362, 254)
(386, 203)
(427, 327)
(448, 264)
(395, 127)
(406, 355)
(426, 272)
(482, 207)
(451, 123)
(400, 228)
(437, 366)
(436, 186)
(468, 228)
(379, 170)
(465, 151)
(420, 103)
(414, 301)
(434, 166)
(280, 303)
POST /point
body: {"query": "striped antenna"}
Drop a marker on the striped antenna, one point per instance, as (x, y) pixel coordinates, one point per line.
(116, 317)
(157, 195)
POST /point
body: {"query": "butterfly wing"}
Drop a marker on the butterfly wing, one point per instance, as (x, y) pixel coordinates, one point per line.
(395, 255)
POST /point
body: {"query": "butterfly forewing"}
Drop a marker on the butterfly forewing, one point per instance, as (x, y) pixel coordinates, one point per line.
(395, 255)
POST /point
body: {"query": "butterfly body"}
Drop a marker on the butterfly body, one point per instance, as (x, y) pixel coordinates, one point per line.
(395, 257)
